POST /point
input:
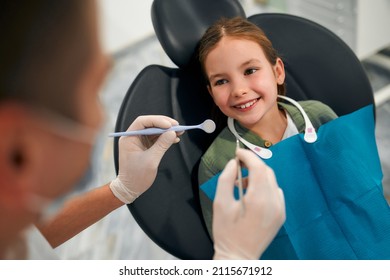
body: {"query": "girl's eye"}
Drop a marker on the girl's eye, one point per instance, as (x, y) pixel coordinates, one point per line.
(220, 82)
(250, 71)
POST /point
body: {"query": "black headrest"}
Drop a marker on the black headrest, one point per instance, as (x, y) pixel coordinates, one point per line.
(179, 24)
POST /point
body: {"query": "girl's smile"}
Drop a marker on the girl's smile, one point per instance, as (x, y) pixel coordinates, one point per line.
(247, 105)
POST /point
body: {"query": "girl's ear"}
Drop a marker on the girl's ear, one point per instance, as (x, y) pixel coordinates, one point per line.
(210, 90)
(280, 74)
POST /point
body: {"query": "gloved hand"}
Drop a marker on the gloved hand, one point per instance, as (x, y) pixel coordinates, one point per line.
(245, 235)
(139, 157)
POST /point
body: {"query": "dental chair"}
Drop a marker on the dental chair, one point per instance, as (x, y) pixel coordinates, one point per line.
(318, 66)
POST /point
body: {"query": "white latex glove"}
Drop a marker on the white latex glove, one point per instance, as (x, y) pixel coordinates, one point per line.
(140, 156)
(245, 235)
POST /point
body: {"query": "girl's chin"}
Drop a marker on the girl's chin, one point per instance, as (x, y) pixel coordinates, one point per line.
(246, 122)
(247, 118)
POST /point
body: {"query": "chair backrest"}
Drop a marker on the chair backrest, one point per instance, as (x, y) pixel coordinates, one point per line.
(318, 65)
(169, 212)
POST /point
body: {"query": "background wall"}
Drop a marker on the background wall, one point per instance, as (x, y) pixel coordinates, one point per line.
(124, 22)
(361, 24)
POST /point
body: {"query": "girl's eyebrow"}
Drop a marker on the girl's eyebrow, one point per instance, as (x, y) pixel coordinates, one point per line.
(250, 61)
(215, 76)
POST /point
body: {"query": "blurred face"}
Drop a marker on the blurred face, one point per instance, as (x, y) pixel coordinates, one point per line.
(243, 83)
(43, 153)
(68, 155)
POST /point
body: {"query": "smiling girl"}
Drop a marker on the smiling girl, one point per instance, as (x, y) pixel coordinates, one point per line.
(244, 76)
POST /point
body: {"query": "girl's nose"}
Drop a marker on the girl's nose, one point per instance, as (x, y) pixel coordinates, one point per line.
(239, 89)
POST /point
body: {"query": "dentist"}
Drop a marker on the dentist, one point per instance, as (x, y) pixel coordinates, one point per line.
(52, 68)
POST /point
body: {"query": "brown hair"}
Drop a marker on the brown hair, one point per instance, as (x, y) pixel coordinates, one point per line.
(44, 50)
(239, 28)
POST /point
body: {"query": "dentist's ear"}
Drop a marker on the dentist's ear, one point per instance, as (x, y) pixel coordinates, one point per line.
(12, 157)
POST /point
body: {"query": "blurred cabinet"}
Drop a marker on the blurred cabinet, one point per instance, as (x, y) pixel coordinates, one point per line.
(363, 25)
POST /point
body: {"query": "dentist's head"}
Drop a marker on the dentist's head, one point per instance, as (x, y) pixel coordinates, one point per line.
(51, 71)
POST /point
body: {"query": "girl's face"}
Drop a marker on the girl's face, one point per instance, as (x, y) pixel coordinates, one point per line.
(243, 83)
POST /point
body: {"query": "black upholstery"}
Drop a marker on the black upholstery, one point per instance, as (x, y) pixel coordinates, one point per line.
(169, 212)
(180, 24)
(318, 64)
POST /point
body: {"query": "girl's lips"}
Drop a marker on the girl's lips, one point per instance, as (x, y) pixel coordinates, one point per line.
(247, 105)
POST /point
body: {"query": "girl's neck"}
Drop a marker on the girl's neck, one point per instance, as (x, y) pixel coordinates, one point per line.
(272, 126)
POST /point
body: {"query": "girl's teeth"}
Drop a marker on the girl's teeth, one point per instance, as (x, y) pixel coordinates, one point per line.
(246, 105)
